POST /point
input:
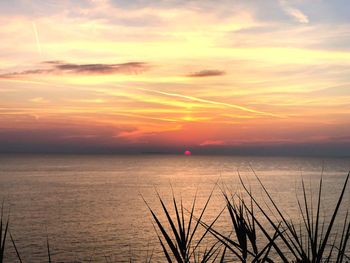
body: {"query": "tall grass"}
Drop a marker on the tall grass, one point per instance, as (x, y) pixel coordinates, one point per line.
(311, 248)
(312, 240)
(181, 242)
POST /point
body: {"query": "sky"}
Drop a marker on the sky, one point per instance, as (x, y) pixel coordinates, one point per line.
(238, 76)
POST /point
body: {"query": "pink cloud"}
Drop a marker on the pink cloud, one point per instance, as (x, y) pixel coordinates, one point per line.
(212, 142)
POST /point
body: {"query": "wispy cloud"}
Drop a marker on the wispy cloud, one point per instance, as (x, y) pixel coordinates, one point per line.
(212, 142)
(213, 102)
(124, 68)
(293, 12)
(39, 100)
(37, 38)
(59, 67)
(206, 73)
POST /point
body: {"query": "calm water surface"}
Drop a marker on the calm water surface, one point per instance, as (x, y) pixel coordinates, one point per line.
(90, 207)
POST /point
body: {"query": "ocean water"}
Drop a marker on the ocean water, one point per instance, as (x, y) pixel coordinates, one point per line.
(91, 207)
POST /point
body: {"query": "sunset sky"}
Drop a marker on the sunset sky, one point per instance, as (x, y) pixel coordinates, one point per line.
(118, 75)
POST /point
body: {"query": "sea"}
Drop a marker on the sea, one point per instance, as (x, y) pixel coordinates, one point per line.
(96, 208)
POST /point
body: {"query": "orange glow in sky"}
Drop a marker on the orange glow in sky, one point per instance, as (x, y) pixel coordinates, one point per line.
(108, 73)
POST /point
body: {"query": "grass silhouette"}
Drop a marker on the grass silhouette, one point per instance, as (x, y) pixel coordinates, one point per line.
(4, 227)
(308, 242)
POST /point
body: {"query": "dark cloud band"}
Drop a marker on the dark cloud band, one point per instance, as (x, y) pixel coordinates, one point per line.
(59, 67)
(207, 73)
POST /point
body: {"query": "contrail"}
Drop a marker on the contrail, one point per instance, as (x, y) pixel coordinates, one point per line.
(211, 102)
(37, 38)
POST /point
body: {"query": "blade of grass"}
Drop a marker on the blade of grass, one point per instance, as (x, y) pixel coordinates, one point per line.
(344, 239)
(164, 250)
(276, 247)
(172, 225)
(4, 241)
(308, 222)
(223, 255)
(205, 233)
(14, 245)
(223, 239)
(201, 215)
(324, 242)
(267, 248)
(272, 223)
(297, 248)
(48, 249)
(318, 213)
(191, 217)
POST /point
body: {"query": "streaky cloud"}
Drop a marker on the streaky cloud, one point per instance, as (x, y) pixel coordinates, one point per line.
(229, 105)
(206, 73)
(59, 67)
(212, 142)
(26, 72)
(293, 12)
(126, 68)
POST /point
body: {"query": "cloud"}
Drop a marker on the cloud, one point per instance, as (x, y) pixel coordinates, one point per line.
(213, 102)
(39, 100)
(59, 67)
(296, 14)
(212, 142)
(207, 73)
(26, 72)
(124, 68)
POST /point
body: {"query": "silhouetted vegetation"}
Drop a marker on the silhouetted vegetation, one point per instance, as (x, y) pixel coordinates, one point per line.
(313, 240)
